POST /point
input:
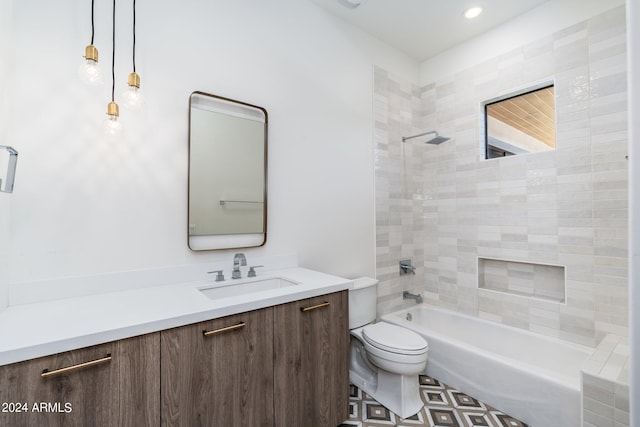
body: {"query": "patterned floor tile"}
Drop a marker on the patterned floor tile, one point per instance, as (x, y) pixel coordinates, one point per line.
(463, 401)
(373, 412)
(428, 382)
(414, 420)
(443, 417)
(435, 397)
(475, 419)
(355, 392)
(443, 407)
(505, 420)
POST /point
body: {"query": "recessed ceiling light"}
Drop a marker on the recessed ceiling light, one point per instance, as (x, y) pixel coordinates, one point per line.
(472, 12)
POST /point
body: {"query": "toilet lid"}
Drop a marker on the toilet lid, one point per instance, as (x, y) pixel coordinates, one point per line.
(393, 338)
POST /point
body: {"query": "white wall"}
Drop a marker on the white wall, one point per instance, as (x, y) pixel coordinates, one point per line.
(5, 43)
(526, 28)
(633, 35)
(5, 210)
(88, 205)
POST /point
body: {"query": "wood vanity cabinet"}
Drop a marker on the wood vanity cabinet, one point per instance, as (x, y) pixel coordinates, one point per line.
(113, 384)
(311, 361)
(219, 372)
(234, 371)
(279, 366)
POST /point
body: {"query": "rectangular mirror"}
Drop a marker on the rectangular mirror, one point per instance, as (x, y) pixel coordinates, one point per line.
(521, 122)
(227, 173)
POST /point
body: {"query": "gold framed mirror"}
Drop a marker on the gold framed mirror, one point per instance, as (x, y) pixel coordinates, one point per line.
(227, 206)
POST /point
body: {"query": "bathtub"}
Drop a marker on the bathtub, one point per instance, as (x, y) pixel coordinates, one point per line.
(531, 377)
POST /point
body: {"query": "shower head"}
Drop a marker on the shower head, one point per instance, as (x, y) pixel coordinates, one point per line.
(437, 139)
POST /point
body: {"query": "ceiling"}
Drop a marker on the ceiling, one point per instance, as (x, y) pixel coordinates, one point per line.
(424, 28)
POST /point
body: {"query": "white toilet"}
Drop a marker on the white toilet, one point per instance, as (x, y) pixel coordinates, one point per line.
(385, 359)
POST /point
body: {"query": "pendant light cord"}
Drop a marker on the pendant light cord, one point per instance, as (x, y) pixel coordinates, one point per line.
(113, 54)
(134, 36)
(92, 25)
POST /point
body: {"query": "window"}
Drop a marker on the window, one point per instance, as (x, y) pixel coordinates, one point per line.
(522, 122)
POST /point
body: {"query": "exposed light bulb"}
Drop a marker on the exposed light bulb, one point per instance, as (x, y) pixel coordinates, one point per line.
(472, 12)
(89, 71)
(112, 125)
(133, 95)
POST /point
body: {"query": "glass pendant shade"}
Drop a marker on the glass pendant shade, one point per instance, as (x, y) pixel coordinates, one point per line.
(132, 96)
(112, 125)
(89, 71)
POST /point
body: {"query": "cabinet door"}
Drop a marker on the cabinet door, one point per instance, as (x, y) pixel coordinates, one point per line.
(113, 384)
(311, 361)
(219, 372)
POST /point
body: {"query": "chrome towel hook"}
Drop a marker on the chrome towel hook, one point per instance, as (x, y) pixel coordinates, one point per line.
(7, 186)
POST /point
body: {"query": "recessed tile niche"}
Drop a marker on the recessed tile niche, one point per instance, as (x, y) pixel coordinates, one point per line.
(523, 279)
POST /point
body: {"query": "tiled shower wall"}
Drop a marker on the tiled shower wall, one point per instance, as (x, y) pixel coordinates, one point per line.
(444, 206)
(398, 181)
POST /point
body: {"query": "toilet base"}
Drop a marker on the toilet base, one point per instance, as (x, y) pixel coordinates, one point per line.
(398, 393)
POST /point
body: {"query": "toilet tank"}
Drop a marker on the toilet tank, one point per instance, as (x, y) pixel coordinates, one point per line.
(362, 302)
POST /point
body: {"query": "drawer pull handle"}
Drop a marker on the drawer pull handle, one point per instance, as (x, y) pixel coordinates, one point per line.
(222, 330)
(315, 307)
(47, 373)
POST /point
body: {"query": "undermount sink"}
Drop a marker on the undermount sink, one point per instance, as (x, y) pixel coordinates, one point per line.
(245, 287)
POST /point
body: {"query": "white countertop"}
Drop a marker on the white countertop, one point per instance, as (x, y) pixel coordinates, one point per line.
(33, 330)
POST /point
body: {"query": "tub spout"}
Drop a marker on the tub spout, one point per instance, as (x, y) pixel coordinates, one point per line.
(409, 295)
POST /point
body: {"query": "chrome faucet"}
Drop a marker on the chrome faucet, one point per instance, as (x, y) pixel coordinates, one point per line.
(238, 260)
(409, 295)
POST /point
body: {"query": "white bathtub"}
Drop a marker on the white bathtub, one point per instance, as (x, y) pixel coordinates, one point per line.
(531, 377)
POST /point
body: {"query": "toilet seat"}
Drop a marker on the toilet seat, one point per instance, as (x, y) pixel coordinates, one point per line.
(394, 339)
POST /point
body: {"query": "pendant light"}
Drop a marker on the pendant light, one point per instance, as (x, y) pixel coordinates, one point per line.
(89, 71)
(112, 125)
(132, 95)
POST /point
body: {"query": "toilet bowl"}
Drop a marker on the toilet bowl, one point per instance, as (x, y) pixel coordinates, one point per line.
(385, 359)
(395, 349)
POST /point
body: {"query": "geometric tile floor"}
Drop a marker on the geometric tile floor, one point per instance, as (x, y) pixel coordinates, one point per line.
(443, 407)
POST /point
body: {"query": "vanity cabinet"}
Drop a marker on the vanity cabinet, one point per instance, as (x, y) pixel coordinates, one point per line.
(279, 366)
(219, 372)
(113, 384)
(311, 361)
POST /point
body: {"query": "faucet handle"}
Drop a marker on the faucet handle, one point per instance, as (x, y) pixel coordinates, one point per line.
(406, 267)
(219, 275)
(252, 272)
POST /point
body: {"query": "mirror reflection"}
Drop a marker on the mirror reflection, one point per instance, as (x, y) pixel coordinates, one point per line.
(227, 173)
(521, 123)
